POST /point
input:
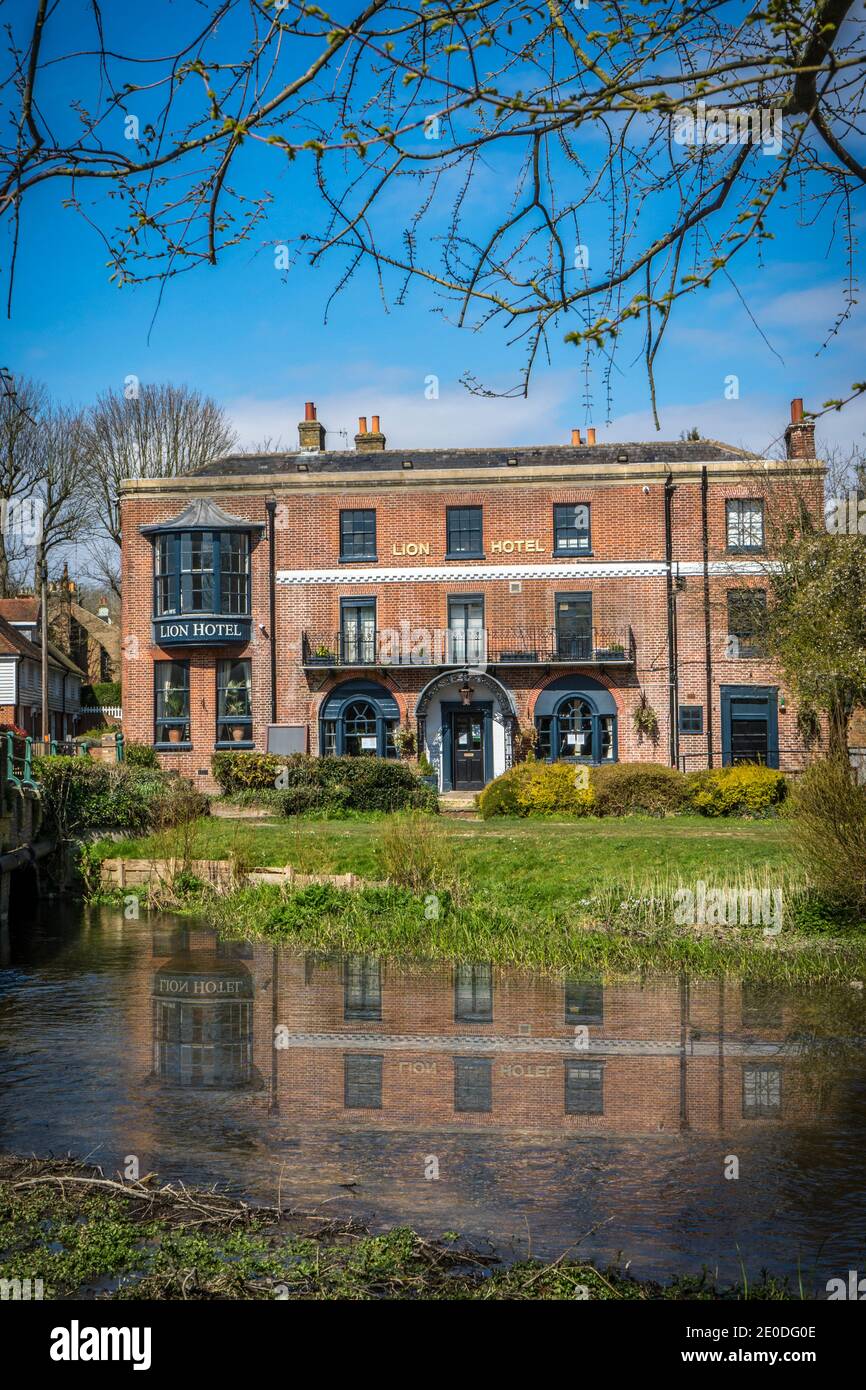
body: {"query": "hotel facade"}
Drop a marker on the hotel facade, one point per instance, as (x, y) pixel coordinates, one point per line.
(329, 601)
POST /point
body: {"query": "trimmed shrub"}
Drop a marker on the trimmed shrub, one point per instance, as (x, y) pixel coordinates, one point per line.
(536, 789)
(80, 794)
(329, 784)
(101, 693)
(237, 772)
(140, 755)
(745, 790)
(625, 789)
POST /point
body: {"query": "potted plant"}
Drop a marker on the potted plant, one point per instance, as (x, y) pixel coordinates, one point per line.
(174, 706)
(236, 703)
(645, 719)
(427, 773)
(614, 651)
(322, 656)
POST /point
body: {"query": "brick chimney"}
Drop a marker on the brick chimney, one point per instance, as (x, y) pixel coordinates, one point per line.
(368, 441)
(311, 434)
(800, 434)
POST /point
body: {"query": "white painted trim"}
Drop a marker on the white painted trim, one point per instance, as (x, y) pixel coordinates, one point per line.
(470, 574)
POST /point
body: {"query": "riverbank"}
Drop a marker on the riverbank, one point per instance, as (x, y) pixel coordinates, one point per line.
(568, 897)
(88, 1234)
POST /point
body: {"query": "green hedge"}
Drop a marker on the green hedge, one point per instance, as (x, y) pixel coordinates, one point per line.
(101, 693)
(622, 789)
(82, 794)
(324, 784)
(140, 755)
(625, 789)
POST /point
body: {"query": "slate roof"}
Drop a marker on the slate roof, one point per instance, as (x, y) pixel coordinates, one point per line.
(201, 514)
(542, 456)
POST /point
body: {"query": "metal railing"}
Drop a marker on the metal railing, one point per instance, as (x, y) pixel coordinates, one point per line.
(19, 751)
(405, 645)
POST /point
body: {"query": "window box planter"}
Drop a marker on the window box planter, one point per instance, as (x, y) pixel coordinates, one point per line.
(610, 654)
(519, 656)
(321, 659)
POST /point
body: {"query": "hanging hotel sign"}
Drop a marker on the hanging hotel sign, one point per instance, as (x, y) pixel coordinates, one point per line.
(192, 632)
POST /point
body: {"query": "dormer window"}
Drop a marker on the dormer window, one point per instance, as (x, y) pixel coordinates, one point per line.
(201, 575)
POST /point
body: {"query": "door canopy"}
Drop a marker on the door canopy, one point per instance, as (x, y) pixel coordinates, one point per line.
(479, 680)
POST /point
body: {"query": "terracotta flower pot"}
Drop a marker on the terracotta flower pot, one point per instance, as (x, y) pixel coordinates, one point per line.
(174, 735)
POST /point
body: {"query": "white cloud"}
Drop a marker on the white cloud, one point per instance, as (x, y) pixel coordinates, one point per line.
(408, 419)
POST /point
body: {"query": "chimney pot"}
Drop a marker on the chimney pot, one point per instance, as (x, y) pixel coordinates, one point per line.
(800, 433)
(590, 436)
(311, 433)
(374, 427)
(575, 439)
(362, 424)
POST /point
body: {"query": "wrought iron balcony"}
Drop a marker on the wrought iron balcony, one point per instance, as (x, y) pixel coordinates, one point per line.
(525, 646)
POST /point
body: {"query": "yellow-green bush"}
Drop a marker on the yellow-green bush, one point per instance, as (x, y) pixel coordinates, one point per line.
(537, 789)
(745, 790)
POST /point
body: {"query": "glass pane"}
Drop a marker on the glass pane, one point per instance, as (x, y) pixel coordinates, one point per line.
(362, 1082)
(359, 729)
(574, 628)
(473, 1090)
(473, 993)
(172, 701)
(571, 525)
(234, 701)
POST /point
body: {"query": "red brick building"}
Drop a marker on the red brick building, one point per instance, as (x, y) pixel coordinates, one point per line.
(320, 600)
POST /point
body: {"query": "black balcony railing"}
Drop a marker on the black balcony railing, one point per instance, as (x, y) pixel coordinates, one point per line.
(468, 646)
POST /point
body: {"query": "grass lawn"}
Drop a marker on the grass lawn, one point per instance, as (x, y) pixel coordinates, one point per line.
(582, 894)
(543, 865)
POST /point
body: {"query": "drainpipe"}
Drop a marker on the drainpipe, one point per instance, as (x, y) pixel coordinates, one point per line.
(271, 509)
(708, 647)
(673, 689)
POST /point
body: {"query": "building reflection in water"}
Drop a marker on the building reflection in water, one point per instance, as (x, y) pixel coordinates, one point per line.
(352, 1041)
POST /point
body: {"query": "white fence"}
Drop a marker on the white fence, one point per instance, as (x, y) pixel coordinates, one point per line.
(113, 711)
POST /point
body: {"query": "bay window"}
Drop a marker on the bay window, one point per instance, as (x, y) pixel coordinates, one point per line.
(201, 572)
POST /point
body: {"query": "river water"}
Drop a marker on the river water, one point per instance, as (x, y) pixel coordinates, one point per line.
(675, 1123)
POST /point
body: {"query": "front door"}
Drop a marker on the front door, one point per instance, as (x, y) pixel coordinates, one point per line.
(749, 742)
(468, 747)
(749, 726)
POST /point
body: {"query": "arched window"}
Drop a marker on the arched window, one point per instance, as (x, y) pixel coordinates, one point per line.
(576, 726)
(358, 719)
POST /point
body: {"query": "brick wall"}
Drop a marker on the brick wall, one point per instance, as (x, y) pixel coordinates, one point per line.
(627, 513)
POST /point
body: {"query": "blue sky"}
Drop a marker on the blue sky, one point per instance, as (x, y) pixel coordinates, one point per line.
(256, 339)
